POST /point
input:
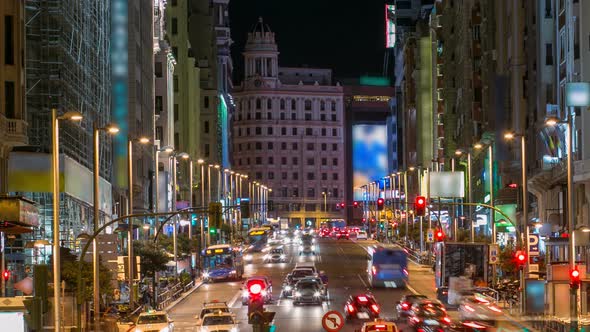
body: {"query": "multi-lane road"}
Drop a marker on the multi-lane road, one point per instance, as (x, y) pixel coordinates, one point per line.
(343, 261)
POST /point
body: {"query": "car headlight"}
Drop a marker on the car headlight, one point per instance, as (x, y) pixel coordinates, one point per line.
(234, 329)
(288, 288)
(266, 256)
(317, 294)
(245, 293)
(232, 272)
(297, 294)
(283, 257)
(205, 274)
(312, 247)
(300, 247)
(137, 329)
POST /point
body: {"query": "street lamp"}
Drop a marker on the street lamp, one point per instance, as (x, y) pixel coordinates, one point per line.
(325, 204)
(480, 146)
(110, 129)
(459, 153)
(202, 163)
(510, 136)
(73, 116)
(175, 223)
(130, 141)
(167, 149)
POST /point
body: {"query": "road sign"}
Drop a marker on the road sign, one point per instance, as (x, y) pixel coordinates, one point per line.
(494, 252)
(533, 245)
(430, 236)
(333, 321)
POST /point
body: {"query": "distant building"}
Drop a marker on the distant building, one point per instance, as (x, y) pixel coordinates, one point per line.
(288, 133)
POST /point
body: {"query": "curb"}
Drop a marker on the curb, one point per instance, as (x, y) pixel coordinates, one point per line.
(184, 295)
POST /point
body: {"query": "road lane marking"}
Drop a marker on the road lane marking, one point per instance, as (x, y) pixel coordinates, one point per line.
(363, 281)
(411, 289)
(234, 299)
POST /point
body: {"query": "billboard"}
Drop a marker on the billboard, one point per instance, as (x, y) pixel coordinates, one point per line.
(369, 155)
(447, 184)
(389, 26)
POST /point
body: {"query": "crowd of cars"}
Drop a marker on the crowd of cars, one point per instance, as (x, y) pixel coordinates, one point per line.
(343, 233)
(305, 285)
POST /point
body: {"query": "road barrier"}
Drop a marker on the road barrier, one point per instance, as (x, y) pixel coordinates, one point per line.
(173, 293)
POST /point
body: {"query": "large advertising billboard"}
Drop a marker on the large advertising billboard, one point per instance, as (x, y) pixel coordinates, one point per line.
(389, 26)
(369, 155)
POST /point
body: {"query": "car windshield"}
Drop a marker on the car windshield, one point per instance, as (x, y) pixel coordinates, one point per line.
(213, 310)
(218, 320)
(301, 273)
(152, 319)
(431, 310)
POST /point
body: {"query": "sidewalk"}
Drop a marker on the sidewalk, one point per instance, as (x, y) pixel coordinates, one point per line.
(198, 283)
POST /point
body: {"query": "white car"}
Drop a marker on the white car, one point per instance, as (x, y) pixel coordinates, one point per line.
(211, 308)
(361, 235)
(379, 325)
(479, 307)
(153, 321)
(219, 322)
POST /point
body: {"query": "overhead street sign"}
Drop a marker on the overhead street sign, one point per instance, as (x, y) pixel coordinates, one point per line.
(333, 321)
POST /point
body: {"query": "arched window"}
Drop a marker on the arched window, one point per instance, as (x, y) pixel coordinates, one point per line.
(282, 104)
(308, 105)
(269, 103)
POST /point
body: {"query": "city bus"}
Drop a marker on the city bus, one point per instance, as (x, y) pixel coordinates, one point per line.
(387, 266)
(258, 237)
(222, 262)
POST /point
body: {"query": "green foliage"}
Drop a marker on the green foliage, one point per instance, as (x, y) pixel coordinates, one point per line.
(153, 257)
(71, 269)
(185, 277)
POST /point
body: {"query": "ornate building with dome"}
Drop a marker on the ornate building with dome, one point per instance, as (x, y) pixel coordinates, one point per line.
(288, 133)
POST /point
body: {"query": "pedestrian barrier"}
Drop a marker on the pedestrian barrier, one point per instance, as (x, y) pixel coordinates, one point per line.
(172, 293)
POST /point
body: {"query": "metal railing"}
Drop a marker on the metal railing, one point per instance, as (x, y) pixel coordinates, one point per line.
(172, 293)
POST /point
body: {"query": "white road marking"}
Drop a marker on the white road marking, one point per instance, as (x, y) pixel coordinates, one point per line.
(411, 289)
(233, 299)
(361, 279)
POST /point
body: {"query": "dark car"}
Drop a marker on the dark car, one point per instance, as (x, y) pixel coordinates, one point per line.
(292, 278)
(343, 234)
(404, 306)
(429, 314)
(363, 307)
(307, 292)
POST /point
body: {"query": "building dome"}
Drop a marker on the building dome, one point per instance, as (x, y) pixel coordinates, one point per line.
(261, 38)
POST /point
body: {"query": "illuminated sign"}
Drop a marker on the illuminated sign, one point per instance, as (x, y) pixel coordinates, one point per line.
(389, 26)
(219, 251)
(577, 94)
(119, 65)
(257, 232)
(369, 155)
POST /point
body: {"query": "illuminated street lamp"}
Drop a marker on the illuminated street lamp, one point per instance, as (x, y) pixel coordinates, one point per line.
(480, 146)
(459, 153)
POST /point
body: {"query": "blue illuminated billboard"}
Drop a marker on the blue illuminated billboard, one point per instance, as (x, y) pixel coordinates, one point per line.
(369, 155)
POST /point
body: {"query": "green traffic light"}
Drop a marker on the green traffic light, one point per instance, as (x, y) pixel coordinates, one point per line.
(212, 231)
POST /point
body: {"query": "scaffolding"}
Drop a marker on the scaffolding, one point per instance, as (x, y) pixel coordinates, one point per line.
(68, 68)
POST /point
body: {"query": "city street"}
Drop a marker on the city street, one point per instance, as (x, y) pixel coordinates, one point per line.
(344, 261)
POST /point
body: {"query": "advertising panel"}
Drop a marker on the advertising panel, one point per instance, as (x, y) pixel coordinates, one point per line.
(447, 184)
(369, 155)
(389, 26)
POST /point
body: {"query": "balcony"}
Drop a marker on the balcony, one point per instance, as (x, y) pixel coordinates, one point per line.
(15, 131)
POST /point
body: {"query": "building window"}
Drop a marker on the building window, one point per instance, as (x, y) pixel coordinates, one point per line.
(548, 54)
(310, 207)
(295, 146)
(258, 103)
(175, 52)
(175, 115)
(206, 101)
(310, 161)
(293, 105)
(282, 116)
(206, 127)
(271, 160)
(335, 192)
(307, 116)
(334, 176)
(295, 176)
(308, 105)
(333, 107)
(295, 192)
(271, 175)
(293, 116)
(323, 117)
(247, 131)
(324, 131)
(311, 192)
(283, 160)
(282, 104)
(240, 147)
(175, 83)
(308, 131)
(294, 131)
(324, 146)
(334, 118)
(158, 69)
(295, 161)
(258, 131)
(258, 116)
(269, 115)
(284, 177)
(324, 176)
(239, 132)
(159, 133)
(334, 132)
(310, 146)
(258, 146)
(310, 175)
(269, 104)
(8, 40)
(270, 146)
(158, 105)
(258, 160)
(322, 105)
(258, 175)
(334, 146)
(174, 24)
(324, 161)
(283, 146)
(283, 131)
(207, 149)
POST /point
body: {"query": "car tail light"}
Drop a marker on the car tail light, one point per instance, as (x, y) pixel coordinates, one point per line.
(415, 319)
(474, 325)
(374, 270)
(447, 320)
(362, 299)
(380, 327)
(469, 308)
(375, 308)
(405, 306)
(405, 272)
(350, 308)
(420, 330)
(494, 308)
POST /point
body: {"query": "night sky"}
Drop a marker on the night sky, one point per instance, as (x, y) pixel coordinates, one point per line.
(345, 36)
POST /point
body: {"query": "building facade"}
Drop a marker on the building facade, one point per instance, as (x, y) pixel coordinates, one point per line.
(288, 132)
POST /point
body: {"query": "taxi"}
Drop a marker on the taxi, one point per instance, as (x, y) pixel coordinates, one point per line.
(153, 321)
(379, 325)
(219, 322)
(212, 307)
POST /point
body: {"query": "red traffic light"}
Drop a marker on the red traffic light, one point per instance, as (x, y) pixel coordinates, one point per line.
(255, 287)
(575, 278)
(521, 258)
(575, 274)
(6, 275)
(439, 235)
(380, 202)
(420, 205)
(355, 204)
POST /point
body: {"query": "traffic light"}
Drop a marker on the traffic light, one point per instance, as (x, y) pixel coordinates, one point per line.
(520, 257)
(256, 291)
(439, 235)
(355, 204)
(6, 275)
(245, 208)
(214, 215)
(420, 205)
(380, 202)
(340, 205)
(575, 278)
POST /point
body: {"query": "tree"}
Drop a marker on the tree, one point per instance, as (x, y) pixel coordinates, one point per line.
(71, 269)
(182, 241)
(153, 258)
